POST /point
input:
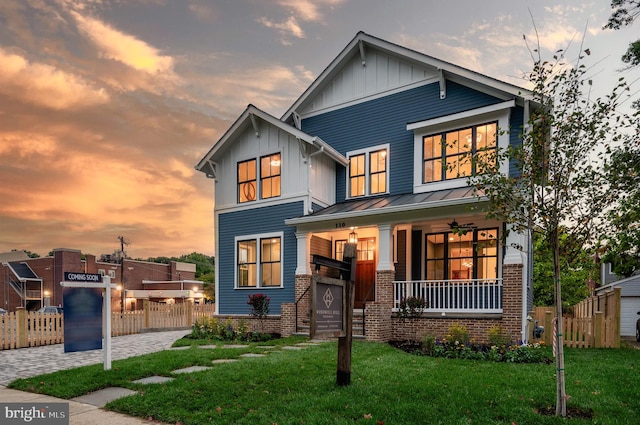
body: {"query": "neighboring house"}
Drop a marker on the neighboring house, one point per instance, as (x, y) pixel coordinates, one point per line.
(629, 302)
(33, 283)
(360, 154)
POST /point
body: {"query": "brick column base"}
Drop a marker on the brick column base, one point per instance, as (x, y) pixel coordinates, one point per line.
(287, 319)
(378, 313)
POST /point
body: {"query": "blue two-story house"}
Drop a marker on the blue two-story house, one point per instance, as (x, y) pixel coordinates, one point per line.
(375, 151)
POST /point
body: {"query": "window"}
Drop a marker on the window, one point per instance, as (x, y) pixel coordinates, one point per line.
(259, 268)
(112, 274)
(453, 256)
(269, 182)
(247, 181)
(101, 272)
(368, 171)
(270, 176)
(448, 155)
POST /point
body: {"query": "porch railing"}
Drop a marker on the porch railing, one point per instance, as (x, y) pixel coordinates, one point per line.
(453, 296)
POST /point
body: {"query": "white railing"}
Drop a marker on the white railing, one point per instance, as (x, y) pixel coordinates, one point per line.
(452, 296)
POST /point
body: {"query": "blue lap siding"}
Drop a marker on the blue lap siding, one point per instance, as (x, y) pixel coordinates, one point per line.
(385, 120)
(250, 222)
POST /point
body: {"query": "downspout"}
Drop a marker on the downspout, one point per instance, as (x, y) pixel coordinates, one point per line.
(318, 152)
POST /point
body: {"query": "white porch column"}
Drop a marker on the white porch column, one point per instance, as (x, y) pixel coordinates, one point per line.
(303, 240)
(385, 247)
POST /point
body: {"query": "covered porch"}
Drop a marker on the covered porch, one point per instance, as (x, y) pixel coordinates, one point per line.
(432, 246)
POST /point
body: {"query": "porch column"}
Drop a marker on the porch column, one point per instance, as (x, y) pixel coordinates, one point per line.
(516, 283)
(303, 240)
(385, 247)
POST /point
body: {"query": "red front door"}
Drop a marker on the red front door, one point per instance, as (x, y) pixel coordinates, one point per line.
(365, 272)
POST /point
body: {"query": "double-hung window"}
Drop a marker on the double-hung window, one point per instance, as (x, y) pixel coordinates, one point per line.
(250, 187)
(259, 261)
(449, 155)
(368, 171)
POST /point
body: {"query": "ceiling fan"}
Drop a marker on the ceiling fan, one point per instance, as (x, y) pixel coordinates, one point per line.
(460, 229)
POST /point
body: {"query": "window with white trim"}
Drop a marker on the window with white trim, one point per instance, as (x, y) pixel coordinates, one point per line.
(368, 171)
(268, 183)
(448, 155)
(259, 261)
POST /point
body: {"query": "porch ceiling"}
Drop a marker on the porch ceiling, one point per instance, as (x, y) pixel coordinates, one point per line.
(394, 206)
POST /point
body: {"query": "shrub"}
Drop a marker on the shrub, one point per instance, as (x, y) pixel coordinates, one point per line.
(259, 307)
(498, 336)
(458, 333)
(410, 310)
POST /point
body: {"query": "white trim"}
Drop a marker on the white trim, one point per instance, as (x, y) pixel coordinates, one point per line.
(369, 97)
(257, 237)
(367, 188)
(472, 113)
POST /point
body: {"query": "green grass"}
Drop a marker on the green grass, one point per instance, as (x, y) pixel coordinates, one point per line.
(387, 386)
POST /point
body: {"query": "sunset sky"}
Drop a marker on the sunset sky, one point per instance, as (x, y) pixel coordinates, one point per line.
(107, 105)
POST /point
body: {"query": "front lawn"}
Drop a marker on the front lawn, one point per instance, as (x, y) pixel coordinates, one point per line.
(388, 386)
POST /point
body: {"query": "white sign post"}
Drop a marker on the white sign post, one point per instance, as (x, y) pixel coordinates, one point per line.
(106, 312)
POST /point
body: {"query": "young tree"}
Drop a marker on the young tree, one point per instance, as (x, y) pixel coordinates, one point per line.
(560, 187)
(624, 13)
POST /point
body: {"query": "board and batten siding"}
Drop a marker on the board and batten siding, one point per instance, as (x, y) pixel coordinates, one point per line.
(384, 120)
(251, 222)
(383, 72)
(294, 172)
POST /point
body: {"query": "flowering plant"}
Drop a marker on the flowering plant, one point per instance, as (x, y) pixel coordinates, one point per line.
(259, 307)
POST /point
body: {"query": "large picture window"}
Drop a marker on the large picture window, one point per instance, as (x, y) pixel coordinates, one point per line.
(259, 261)
(269, 182)
(448, 155)
(462, 255)
(368, 171)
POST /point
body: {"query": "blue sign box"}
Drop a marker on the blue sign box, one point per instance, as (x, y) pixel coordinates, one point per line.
(82, 319)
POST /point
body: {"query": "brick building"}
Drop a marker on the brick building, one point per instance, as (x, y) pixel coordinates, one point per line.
(35, 282)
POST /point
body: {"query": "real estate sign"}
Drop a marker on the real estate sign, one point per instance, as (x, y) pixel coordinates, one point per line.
(327, 307)
(82, 314)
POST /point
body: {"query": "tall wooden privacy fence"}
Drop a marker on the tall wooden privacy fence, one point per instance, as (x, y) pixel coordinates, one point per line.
(594, 322)
(30, 329)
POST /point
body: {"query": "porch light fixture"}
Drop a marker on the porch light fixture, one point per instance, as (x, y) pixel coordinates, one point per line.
(353, 237)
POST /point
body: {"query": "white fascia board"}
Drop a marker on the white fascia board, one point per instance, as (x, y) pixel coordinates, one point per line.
(248, 114)
(461, 115)
(387, 210)
(453, 72)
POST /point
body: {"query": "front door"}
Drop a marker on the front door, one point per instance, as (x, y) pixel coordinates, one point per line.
(365, 272)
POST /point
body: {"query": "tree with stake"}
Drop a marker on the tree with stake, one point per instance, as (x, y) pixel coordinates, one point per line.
(560, 189)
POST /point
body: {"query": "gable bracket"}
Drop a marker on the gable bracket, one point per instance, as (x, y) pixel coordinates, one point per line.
(296, 120)
(304, 150)
(213, 173)
(362, 57)
(443, 84)
(255, 125)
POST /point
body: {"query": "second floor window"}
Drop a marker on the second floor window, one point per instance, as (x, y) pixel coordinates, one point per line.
(368, 172)
(250, 187)
(270, 176)
(448, 155)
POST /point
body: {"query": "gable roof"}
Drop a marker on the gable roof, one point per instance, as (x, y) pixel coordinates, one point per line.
(447, 71)
(248, 118)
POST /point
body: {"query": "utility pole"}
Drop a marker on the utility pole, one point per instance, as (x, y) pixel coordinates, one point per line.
(123, 242)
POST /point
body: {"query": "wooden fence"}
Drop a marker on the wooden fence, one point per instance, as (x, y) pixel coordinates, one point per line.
(30, 329)
(594, 322)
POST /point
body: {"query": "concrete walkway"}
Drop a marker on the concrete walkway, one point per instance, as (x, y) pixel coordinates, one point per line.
(27, 362)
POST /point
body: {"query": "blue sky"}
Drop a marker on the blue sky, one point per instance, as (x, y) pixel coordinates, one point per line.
(106, 106)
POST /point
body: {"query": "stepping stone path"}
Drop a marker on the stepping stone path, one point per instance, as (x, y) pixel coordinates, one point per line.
(220, 361)
(207, 346)
(101, 397)
(186, 347)
(153, 380)
(252, 355)
(290, 347)
(191, 369)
